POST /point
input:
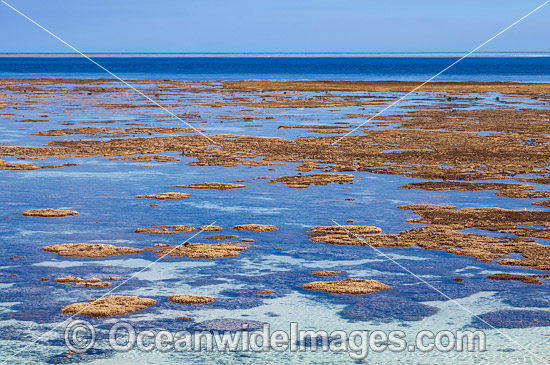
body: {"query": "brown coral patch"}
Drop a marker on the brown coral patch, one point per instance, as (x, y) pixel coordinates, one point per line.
(211, 185)
(445, 236)
(385, 86)
(492, 219)
(91, 250)
(295, 103)
(88, 283)
(541, 194)
(341, 235)
(166, 229)
(430, 154)
(190, 299)
(343, 230)
(506, 188)
(527, 279)
(200, 250)
(265, 291)
(325, 273)
(115, 305)
(4, 165)
(478, 120)
(348, 286)
(304, 181)
(165, 196)
(221, 237)
(147, 158)
(315, 126)
(331, 131)
(255, 227)
(114, 131)
(49, 213)
(210, 228)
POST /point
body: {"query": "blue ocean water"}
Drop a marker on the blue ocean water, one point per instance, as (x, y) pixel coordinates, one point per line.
(329, 67)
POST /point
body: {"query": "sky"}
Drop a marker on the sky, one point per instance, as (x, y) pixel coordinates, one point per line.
(273, 26)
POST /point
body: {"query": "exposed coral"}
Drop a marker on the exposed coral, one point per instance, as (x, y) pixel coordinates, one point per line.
(221, 237)
(543, 203)
(91, 250)
(527, 279)
(294, 103)
(114, 131)
(442, 234)
(348, 286)
(115, 305)
(166, 229)
(506, 188)
(324, 273)
(4, 165)
(212, 185)
(304, 181)
(190, 299)
(147, 158)
(93, 282)
(255, 227)
(265, 291)
(49, 213)
(341, 235)
(165, 196)
(210, 228)
(316, 126)
(200, 250)
(384, 86)
(492, 219)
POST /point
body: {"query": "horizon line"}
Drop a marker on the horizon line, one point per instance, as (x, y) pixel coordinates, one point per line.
(496, 53)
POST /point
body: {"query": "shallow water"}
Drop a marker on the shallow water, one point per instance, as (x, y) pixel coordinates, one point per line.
(104, 192)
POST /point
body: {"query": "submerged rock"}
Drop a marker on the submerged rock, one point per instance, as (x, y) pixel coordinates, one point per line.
(514, 318)
(226, 324)
(382, 308)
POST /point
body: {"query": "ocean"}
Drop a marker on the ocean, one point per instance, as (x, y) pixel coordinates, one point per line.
(525, 68)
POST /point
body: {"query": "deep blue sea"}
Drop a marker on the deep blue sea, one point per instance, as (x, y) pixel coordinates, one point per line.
(331, 67)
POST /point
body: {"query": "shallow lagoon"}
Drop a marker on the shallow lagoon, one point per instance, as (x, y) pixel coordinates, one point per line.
(104, 192)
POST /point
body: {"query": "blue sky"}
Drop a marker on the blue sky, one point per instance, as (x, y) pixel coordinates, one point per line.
(274, 26)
